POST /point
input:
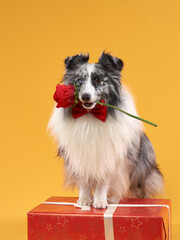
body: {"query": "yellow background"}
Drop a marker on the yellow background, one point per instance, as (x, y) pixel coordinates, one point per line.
(35, 38)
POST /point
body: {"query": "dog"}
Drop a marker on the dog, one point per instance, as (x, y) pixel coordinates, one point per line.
(108, 160)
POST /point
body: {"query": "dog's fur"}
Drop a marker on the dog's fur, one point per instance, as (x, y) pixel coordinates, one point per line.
(114, 159)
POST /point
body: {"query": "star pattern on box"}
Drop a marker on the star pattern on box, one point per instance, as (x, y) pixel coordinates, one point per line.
(31, 231)
(93, 236)
(31, 216)
(49, 227)
(83, 237)
(62, 221)
(157, 238)
(136, 223)
(122, 230)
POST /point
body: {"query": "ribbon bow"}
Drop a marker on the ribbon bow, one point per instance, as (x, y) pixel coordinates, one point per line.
(99, 111)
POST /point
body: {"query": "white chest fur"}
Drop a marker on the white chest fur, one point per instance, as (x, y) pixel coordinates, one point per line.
(94, 148)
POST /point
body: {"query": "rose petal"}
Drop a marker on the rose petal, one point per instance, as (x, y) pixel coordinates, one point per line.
(64, 96)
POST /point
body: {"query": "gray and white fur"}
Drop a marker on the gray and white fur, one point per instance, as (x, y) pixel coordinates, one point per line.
(108, 160)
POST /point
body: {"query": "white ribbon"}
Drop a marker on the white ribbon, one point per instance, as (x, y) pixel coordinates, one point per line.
(108, 222)
(108, 215)
(69, 204)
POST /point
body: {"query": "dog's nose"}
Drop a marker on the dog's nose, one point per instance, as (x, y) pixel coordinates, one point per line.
(86, 97)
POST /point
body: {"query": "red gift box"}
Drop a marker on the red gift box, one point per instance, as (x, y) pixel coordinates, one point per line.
(131, 219)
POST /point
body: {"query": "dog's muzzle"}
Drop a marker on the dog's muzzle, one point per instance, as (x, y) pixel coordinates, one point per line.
(88, 105)
(86, 101)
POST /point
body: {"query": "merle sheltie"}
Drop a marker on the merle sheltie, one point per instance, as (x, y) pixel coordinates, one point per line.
(108, 160)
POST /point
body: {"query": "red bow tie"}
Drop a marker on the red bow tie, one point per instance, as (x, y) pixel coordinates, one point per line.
(99, 111)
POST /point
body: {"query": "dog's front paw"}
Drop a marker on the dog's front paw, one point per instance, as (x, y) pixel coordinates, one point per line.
(101, 204)
(84, 202)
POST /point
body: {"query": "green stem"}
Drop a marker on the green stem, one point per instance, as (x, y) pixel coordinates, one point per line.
(141, 119)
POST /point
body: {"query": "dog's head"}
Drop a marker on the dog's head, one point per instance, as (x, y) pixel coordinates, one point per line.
(95, 81)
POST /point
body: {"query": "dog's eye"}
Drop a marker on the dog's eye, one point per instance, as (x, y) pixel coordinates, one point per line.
(80, 80)
(97, 79)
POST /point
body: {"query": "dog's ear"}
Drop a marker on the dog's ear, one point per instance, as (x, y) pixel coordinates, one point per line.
(72, 62)
(110, 63)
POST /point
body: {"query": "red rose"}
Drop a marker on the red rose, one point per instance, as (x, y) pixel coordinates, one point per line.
(64, 96)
